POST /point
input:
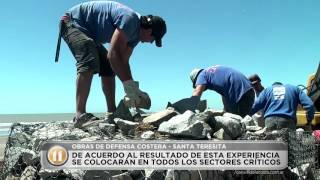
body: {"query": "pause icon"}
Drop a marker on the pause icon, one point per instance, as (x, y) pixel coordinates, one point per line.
(57, 155)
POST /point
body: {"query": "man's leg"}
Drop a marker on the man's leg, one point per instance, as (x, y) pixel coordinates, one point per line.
(85, 51)
(245, 103)
(108, 87)
(107, 79)
(83, 85)
(286, 123)
(271, 123)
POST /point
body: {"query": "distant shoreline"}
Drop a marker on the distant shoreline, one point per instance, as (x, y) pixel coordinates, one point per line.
(45, 117)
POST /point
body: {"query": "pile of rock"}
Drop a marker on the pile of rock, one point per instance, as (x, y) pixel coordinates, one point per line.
(22, 159)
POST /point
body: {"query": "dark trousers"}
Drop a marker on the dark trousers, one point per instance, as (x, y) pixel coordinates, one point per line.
(243, 107)
(278, 123)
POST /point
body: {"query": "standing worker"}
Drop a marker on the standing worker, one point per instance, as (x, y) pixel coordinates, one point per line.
(234, 87)
(85, 28)
(256, 84)
(258, 88)
(279, 103)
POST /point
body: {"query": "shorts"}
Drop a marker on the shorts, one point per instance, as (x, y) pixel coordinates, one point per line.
(90, 56)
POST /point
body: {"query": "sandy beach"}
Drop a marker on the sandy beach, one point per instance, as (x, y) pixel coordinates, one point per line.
(3, 141)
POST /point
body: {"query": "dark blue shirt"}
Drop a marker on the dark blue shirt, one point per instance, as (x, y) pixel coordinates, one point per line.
(282, 100)
(99, 19)
(231, 84)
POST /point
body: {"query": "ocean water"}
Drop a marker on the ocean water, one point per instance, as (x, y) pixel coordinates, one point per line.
(6, 120)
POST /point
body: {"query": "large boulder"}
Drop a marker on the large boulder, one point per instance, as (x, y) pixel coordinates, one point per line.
(185, 125)
(230, 125)
(157, 118)
(126, 127)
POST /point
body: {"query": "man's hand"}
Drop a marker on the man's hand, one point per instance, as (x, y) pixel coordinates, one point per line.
(134, 96)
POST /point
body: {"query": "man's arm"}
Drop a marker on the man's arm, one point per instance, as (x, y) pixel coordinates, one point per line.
(307, 104)
(119, 54)
(259, 103)
(199, 90)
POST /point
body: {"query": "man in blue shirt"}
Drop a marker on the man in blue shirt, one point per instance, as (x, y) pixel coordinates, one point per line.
(234, 87)
(85, 28)
(279, 104)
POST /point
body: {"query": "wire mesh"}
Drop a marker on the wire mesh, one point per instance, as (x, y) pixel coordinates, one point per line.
(22, 161)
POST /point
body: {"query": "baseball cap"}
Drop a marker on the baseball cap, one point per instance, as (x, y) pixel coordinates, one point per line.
(194, 75)
(254, 79)
(159, 28)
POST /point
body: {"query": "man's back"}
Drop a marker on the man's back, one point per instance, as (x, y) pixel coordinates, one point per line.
(282, 100)
(98, 19)
(228, 82)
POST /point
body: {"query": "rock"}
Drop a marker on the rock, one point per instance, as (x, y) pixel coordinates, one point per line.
(75, 173)
(231, 126)
(195, 175)
(233, 116)
(126, 127)
(136, 114)
(206, 117)
(137, 174)
(262, 131)
(182, 125)
(215, 112)
(28, 173)
(154, 174)
(186, 104)
(123, 112)
(248, 121)
(52, 131)
(258, 118)
(170, 175)
(96, 175)
(75, 134)
(253, 128)
(94, 130)
(220, 134)
(157, 118)
(53, 174)
(20, 139)
(123, 176)
(107, 128)
(92, 138)
(11, 177)
(18, 156)
(148, 135)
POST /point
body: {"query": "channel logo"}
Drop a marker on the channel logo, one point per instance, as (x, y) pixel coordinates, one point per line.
(57, 155)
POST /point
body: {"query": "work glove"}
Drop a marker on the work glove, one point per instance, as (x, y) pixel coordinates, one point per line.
(134, 96)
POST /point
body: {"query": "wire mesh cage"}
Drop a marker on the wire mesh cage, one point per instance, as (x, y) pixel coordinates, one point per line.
(22, 160)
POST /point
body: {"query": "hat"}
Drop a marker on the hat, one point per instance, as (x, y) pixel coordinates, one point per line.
(159, 28)
(194, 75)
(254, 79)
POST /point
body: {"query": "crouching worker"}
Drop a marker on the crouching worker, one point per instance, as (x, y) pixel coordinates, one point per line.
(234, 87)
(279, 103)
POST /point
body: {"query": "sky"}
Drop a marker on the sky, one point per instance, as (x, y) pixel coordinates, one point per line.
(279, 40)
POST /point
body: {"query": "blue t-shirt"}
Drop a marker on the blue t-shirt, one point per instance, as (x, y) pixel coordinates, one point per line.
(282, 100)
(231, 84)
(99, 19)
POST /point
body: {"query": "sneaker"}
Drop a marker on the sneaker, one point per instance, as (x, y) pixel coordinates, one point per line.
(85, 120)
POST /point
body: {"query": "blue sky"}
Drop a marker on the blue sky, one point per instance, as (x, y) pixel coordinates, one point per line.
(279, 40)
